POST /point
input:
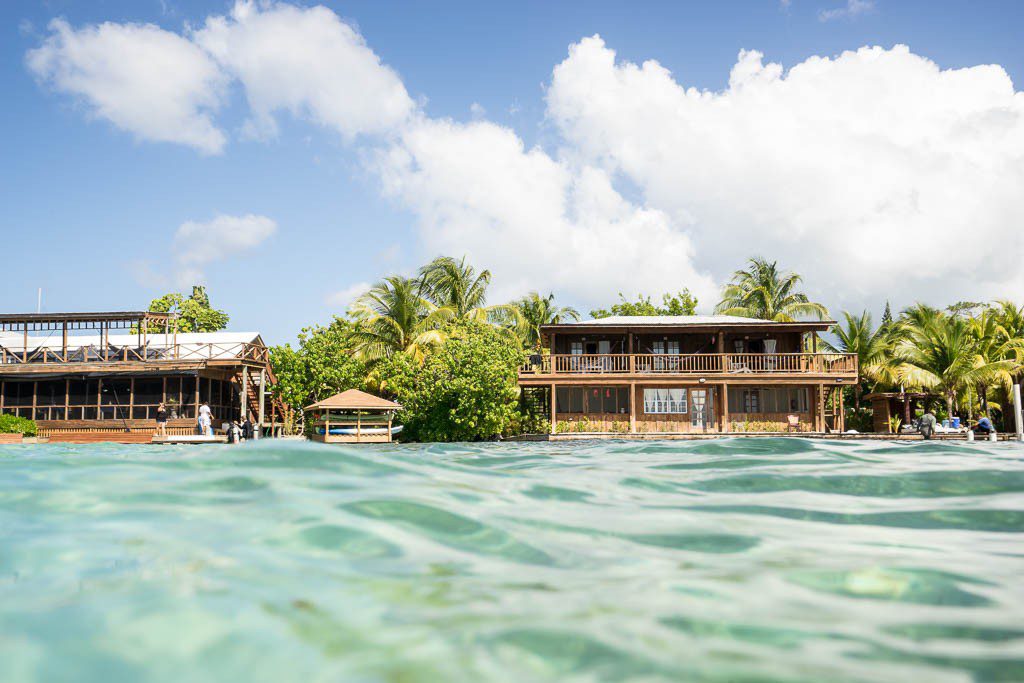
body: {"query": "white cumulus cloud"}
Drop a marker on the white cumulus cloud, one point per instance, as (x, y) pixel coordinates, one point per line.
(537, 222)
(198, 244)
(343, 298)
(308, 62)
(875, 173)
(153, 83)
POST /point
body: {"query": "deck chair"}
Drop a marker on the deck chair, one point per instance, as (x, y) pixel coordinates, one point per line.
(794, 423)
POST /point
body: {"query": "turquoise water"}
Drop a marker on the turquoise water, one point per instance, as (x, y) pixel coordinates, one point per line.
(733, 560)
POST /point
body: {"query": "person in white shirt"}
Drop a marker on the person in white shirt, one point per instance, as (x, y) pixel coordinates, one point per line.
(206, 420)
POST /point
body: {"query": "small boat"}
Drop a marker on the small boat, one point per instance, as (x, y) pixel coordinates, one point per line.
(368, 431)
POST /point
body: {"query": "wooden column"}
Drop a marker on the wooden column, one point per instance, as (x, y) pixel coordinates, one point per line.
(131, 398)
(632, 401)
(64, 344)
(24, 352)
(821, 408)
(35, 392)
(390, 416)
(245, 390)
(263, 390)
(725, 409)
(3, 388)
(67, 398)
(632, 365)
(197, 396)
(99, 398)
(554, 415)
(841, 419)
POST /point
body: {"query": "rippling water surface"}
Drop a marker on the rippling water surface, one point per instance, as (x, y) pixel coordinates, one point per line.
(733, 560)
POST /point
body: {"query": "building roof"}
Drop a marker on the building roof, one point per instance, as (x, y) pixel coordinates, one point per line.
(104, 316)
(674, 320)
(686, 321)
(353, 399)
(198, 345)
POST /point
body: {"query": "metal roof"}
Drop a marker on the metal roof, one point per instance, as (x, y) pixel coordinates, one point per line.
(687, 321)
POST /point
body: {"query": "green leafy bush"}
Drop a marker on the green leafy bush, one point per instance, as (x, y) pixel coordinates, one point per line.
(465, 390)
(11, 424)
(760, 426)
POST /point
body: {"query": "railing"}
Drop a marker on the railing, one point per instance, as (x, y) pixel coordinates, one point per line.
(694, 364)
(113, 354)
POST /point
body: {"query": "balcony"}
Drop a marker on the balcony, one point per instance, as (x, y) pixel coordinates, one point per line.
(739, 365)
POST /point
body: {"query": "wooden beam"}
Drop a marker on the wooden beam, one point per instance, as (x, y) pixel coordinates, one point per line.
(725, 409)
(554, 415)
(245, 388)
(263, 390)
(632, 405)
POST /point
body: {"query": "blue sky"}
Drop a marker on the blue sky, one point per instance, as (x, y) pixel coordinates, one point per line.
(91, 210)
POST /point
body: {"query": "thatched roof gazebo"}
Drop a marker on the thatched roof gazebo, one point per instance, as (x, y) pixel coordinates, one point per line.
(353, 416)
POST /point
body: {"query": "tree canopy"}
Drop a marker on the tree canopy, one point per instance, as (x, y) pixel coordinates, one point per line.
(765, 292)
(680, 303)
(195, 314)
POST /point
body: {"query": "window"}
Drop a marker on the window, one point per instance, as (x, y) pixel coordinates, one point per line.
(769, 400)
(665, 401)
(592, 400)
(569, 400)
(607, 400)
(751, 400)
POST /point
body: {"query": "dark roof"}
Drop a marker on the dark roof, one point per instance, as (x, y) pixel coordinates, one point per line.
(687, 322)
(82, 317)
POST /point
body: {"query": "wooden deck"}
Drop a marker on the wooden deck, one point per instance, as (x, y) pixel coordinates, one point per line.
(681, 436)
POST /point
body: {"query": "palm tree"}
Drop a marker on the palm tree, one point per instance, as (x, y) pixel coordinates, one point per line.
(763, 291)
(940, 352)
(395, 317)
(994, 343)
(857, 335)
(460, 293)
(536, 310)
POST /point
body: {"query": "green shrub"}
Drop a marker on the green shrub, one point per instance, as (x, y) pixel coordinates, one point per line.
(11, 424)
(465, 390)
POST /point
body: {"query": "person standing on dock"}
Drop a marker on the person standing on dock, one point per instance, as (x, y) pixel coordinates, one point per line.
(927, 424)
(161, 420)
(205, 420)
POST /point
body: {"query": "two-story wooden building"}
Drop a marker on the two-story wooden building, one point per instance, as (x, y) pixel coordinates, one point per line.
(101, 376)
(688, 374)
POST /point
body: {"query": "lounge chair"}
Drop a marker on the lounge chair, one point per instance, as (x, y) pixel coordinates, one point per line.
(793, 423)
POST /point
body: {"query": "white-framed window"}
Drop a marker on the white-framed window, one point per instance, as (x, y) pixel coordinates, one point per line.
(665, 401)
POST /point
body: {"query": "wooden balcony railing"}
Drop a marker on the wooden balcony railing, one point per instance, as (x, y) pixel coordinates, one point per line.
(693, 364)
(112, 353)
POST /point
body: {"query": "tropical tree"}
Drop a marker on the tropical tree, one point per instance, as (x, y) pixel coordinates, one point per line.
(195, 314)
(536, 310)
(395, 317)
(856, 334)
(464, 390)
(681, 303)
(763, 291)
(994, 343)
(940, 352)
(459, 292)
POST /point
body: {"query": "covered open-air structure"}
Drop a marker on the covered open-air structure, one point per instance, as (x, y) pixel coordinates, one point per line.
(352, 416)
(101, 376)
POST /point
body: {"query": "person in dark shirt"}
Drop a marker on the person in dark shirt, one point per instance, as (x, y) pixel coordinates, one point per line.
(928, 423)
(161, 420)
(247, 430)
(984, 426)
